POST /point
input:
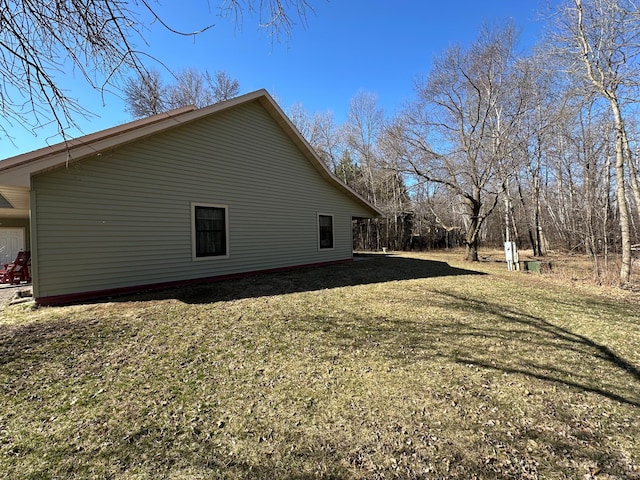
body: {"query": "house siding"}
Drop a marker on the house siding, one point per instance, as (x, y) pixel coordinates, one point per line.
(123, 218)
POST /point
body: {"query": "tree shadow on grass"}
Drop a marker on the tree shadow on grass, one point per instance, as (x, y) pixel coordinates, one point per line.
(549, 339)
(494, 337)
(513, 356)
(367, 269)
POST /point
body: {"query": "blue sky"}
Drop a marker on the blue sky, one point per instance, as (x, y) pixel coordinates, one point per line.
(347, 45)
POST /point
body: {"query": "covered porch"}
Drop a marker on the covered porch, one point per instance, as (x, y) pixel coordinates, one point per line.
(15, 229)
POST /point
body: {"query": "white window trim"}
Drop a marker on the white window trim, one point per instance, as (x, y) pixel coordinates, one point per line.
(333, 231)
(194, 257)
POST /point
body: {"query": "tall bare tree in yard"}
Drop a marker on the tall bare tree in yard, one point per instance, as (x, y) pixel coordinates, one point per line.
(456, 132)
(99, 40)
(601, 41)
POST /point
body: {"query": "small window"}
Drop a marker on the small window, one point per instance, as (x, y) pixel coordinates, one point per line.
(325, 231)
(210, 232)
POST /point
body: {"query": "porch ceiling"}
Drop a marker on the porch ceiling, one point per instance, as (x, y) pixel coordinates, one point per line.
(16, 204)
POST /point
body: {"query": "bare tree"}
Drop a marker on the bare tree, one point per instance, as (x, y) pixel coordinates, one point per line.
(393, 197)
(456, 132)
(600, 39)
(191, 87)
(223, 87)
(577, 198)
(146, 95)
(322, 133)
(277, 17)
(364, 125)
(361, 131)
(99, 39)
(538, 91)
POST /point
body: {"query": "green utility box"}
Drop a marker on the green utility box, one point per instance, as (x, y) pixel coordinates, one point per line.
(538, 266)
(532, 266)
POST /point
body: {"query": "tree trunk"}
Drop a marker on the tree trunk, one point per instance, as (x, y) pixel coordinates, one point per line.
(623, 208)
(633, 173)
(605, 213)
(473, 228)
(601, 76)
(540, 247)
(471, 254)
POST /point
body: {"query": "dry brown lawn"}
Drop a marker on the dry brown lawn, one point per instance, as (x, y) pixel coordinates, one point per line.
(403, 366)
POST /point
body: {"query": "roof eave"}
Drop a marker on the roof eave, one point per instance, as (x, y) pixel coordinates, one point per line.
(17, 171)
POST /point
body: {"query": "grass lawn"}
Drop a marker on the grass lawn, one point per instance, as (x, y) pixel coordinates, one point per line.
(408, 366)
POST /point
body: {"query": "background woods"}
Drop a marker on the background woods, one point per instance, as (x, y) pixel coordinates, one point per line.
(495, 145)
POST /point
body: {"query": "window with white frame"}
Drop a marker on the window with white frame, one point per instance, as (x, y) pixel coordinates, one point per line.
(325, 231)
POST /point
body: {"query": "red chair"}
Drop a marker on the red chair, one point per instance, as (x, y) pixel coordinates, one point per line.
(17, 271)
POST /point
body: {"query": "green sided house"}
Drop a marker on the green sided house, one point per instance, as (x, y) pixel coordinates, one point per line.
(187, 196)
